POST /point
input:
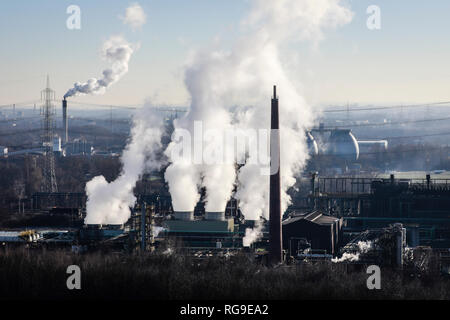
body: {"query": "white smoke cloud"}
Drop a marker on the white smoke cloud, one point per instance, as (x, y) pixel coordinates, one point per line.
(222, 81)
(109, 203)
(117, 51)
(135, 16)
(362, 247)
(252, 234)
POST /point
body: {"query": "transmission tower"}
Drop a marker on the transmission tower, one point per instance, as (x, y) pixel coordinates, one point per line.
(48, 124)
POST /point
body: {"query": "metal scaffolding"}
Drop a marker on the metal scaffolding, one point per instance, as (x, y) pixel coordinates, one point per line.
(48, 125)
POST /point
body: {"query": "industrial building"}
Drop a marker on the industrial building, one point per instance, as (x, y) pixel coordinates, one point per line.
(421, 205)
(323, 232)
(335, 214)
(203, 233)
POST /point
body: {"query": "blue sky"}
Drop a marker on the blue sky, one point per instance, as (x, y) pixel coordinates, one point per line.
(407, 61)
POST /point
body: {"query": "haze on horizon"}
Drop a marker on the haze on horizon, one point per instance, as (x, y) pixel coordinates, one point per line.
(406, 61)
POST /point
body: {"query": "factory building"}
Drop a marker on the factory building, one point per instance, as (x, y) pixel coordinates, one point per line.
(202, 233)
(323, 232)
(421, 205)
(79, 147)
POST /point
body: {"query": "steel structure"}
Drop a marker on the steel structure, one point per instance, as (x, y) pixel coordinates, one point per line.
(48, 125)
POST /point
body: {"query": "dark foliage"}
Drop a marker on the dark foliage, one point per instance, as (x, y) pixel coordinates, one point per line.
(26, 274)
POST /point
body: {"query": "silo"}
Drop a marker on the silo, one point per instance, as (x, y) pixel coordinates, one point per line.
(342, 143)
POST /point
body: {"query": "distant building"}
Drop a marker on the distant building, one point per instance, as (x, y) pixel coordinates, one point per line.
(79, 147)
(3, 151)
(57, 144)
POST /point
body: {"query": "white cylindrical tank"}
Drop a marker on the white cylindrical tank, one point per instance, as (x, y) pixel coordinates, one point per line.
(342, 143)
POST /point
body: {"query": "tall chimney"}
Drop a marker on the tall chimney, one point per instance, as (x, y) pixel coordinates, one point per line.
(65, 122)
(275, 231)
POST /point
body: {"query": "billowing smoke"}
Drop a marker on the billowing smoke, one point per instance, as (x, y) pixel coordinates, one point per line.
(117, 51)
(110, 202)
(251, 235)
(231, 89)
(362, 247)
(135, 16)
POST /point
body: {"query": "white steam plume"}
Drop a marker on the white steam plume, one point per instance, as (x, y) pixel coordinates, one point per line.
(363, 247)
(252, 235)
(272, 24)
(117, 51)
(110, 202)
(221, 81)
(135, 16)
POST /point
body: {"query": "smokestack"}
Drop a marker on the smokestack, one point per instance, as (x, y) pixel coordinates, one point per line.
(275, 232)
(65, 121)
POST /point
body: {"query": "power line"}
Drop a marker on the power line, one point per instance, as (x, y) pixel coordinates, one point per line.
(409, 137)
(384, 123)
(129, 107)
(421, 148)
(20, 119)
(386, 107)
(26, 103)
(388, 152)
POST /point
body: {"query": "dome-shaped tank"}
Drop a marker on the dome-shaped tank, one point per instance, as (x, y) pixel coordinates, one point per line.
(313, 149)
(342, 143)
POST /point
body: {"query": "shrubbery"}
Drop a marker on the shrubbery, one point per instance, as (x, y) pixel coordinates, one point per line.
(40, 274)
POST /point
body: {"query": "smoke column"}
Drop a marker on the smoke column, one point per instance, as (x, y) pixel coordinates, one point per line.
(232, 88)
(110, 202)
(117, 51)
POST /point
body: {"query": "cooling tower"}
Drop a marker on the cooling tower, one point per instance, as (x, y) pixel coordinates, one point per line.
(215, 216)
(184, 215)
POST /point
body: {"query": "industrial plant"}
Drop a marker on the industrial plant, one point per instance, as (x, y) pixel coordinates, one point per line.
(142, 177)
(330, 216)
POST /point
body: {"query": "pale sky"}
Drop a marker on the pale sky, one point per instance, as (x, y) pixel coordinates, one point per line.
(406, 61)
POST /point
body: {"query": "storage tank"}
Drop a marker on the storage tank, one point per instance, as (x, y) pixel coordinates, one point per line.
(342, 143)
(313, 149)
